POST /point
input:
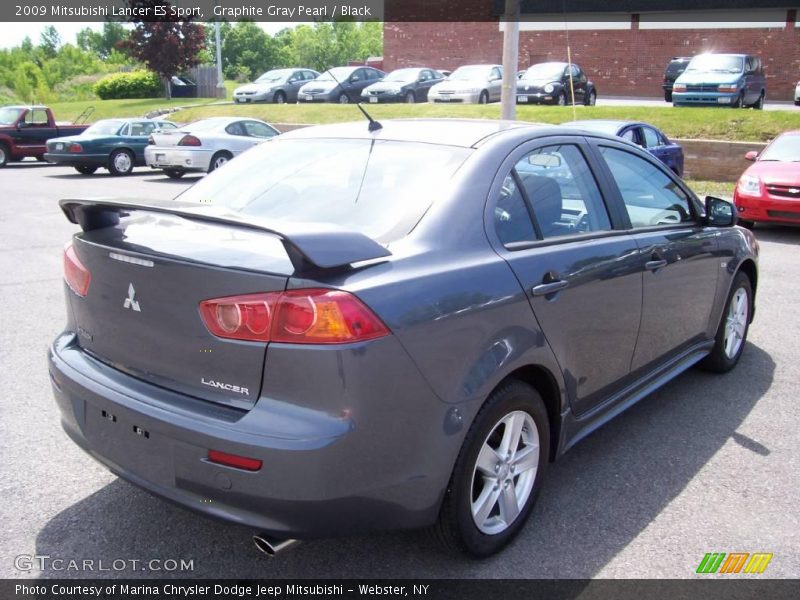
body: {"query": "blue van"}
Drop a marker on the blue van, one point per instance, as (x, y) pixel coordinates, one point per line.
(721, 80)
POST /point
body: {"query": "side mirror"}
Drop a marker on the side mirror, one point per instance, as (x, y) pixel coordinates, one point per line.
(22, 124)
(354, 78)
(719, 212)
(752, 155)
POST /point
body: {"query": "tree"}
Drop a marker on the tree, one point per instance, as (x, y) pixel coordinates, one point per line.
(167, 46)
(102, 43)
(247, 47)
(50, 41)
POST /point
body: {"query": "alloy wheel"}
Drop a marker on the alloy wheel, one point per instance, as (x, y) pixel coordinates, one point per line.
(504, 472)
(736, 322)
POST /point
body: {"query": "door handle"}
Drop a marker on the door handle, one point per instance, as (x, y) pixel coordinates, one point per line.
(652, 265)
(545, 289)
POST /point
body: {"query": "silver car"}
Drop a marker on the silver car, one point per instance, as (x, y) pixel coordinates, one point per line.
(278, 86)
(204, 145)
(797, 94)
(472, 84)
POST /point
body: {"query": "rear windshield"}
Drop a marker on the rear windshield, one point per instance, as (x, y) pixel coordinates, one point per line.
(378, 187)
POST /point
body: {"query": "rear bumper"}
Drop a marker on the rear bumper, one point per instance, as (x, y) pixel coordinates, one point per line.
(466, 98)
(186, 159)
(77, 160)
(377, 459)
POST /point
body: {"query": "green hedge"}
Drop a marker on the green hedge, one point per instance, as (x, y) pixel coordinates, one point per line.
(133, 84)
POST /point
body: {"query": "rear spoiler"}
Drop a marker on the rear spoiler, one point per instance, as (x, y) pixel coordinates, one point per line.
(310, 246)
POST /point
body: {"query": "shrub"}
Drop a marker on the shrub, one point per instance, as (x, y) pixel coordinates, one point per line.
(134, 84)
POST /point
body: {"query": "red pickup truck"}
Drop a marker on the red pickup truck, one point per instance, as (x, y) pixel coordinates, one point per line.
(24, 131)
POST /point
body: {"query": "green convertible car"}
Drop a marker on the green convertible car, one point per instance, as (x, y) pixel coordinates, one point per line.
(114, 144)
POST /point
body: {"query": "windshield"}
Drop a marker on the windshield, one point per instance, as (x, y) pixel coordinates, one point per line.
(274, 76)
(107, 127)
(723, 63)
(377, 187)
(9, 116)
(785, 148)
(403, 75)
(469, 73)
(340, 73)
(545, 71)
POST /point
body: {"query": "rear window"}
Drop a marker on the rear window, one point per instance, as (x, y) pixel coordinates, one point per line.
(378, 187)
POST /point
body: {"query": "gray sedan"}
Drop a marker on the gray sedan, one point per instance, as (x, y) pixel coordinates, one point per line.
(204, 145)
(350, 329)
(278, 86)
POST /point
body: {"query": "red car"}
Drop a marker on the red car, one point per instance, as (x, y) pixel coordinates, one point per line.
(769, 190)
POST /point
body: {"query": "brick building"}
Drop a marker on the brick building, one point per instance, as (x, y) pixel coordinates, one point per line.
(624, 53)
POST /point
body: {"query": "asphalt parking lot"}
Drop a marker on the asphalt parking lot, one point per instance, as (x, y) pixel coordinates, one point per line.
(707, 464)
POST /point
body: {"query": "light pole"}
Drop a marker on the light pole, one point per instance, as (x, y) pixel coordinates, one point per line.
(508, 98)
(221, 93)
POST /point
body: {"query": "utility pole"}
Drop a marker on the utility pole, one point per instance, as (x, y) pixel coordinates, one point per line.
(508, 99)
(221, 93)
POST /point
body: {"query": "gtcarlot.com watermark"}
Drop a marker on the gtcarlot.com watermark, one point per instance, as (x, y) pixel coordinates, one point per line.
(45, 562)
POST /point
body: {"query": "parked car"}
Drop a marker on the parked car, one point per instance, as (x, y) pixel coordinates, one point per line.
(797, 94)
(769, 190)
(24, 131)
(114, 144)
(645, 135)
(550, 83)
(721, 79)
(278, 86)
(204, 145)
(674, 69)
(470, 84)
(340, 84)
(403, 85)
(393, 328)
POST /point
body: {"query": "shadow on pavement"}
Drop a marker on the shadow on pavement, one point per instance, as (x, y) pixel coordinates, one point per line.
(597, 499)
(778, 234)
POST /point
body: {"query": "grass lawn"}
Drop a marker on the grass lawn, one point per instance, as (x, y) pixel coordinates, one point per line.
(711, 188)
(705, 123)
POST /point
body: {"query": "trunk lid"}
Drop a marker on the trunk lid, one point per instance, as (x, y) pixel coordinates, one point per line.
(168, 138)
(149, 274)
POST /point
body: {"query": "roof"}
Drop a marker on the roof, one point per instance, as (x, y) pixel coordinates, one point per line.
(25, 106)
(603, 125)
(452, 132)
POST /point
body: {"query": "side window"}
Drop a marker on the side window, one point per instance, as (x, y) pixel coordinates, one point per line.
(166, 125)
(511, 218)
(359, 74)
(651, 138)
(259, 130)
(235, 128)
(36, 116)
(562, 192)
(651, 197)
(496, 73)
(630, 135)
(576, 73)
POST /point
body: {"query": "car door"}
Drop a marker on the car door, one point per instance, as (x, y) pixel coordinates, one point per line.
(549, 220)
(678, 254)
(36, 130)
(239, 140)
(579, 83)
(495, 83)
(293, 85)
(135, 135)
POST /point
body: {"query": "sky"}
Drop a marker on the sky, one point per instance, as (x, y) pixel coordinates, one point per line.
(11, 34)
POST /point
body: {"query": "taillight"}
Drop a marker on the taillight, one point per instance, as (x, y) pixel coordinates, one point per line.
(234, 460)
(76, 275)
(190, 140)
(75, 147)
(310, 316)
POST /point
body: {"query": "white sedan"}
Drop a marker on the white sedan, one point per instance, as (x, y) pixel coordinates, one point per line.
(204, 145)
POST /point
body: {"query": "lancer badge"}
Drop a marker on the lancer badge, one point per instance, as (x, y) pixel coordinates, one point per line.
(130, 301)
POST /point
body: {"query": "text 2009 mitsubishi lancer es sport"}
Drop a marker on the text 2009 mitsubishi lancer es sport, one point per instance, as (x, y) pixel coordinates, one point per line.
(347, 330)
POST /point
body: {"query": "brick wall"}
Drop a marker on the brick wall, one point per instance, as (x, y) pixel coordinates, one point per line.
(619, 62)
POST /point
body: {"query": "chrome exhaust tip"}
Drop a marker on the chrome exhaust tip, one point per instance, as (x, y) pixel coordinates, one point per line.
(272, 546)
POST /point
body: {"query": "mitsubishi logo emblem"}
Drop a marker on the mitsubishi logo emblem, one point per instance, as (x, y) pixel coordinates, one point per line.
(130, 301)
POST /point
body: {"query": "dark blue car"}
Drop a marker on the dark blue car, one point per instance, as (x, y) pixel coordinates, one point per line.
(642, 134)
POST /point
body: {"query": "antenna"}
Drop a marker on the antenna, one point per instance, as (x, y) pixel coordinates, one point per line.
(373, 124)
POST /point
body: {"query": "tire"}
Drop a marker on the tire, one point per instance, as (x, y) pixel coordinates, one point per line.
(746, 224)
(591, 99)
(39, 158)
(174, 173)
(759, 105)
(561, 99)
(3, 155)
(120, 163)
(343, 98)
(667, 96)
(732, 332)
(483, 98)
(457, 528)
(411, 98)
(279, 98)
(85, 169)
(219, 159)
